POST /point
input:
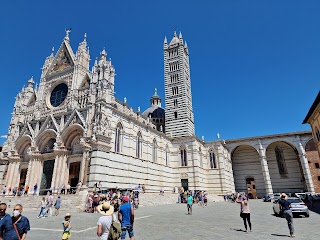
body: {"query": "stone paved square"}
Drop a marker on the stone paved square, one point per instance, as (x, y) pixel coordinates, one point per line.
(219, 220)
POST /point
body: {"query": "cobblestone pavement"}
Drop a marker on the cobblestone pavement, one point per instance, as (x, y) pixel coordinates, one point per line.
(220, 220)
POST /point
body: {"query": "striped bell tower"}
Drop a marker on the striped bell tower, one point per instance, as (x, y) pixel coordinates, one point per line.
(178, 98)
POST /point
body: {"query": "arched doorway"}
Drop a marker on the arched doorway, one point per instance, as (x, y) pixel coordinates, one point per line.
(246, 166)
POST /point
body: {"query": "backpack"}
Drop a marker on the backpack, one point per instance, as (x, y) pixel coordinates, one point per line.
(115, 230)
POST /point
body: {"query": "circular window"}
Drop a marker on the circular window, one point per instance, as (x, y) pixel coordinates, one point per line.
(59, 94)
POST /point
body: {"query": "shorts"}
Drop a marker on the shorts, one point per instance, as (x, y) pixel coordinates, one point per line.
(66, 235)
(189, 206)
(128, 228)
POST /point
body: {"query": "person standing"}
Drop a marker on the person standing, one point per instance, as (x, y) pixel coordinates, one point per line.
(100, 186)
(126, 218)
(244, 212)
(50, 204)
(57, 206)
(35, 188)
(285, 208)
(26, 190)
(104, 222)
(7, 231)
(20, 223)
(66, 227)
(189, 203)
(43, 207)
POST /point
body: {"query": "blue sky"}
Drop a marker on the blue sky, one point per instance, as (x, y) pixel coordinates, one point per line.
(254, 64)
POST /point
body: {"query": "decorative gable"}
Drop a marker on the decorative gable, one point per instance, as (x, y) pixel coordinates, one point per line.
(64, 60)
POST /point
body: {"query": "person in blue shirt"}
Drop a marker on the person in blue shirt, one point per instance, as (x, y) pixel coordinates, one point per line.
(126, 217)
(20, 223)
(7, 231)
(285, 207)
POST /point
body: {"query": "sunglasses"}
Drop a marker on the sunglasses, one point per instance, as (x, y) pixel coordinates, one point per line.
(16, 209)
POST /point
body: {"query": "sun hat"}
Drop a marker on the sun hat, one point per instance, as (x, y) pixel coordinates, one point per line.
(105, 209)
(67, 215)
(125, 199)
(283, 196)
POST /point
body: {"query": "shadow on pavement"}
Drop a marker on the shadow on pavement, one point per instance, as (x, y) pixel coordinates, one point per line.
(280, 235)
(238, 229)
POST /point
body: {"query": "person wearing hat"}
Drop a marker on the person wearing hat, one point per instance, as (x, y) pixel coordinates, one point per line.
(104, 222)
(285, 208)
(126, 218)
(66, 227)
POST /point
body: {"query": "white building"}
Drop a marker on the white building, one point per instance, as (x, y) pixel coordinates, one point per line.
(71, 128)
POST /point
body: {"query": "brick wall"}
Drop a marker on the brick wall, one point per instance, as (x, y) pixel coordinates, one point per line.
(313, 158)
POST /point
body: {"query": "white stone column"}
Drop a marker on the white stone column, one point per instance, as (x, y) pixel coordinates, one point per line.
(55, 171)
(9, 175)
(29, 173)
(305, 168)
(265, 169)
(38, 177)
(83, 167)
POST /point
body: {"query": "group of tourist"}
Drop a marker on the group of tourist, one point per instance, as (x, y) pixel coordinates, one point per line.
(285, 207)
(200, 197)
(13, 227)
(115, 196)
(47, 205)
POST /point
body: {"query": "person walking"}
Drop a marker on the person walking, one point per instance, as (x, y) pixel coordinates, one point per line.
(43, 207)
(244, 212)
(20, 223)
(66, 227)
(35, 188)
(285, 208)
(50, 204)
(126, 218)
(189, 203)
(57, 206)
(104, 222)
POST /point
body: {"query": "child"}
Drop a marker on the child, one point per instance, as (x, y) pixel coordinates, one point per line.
(66, 227)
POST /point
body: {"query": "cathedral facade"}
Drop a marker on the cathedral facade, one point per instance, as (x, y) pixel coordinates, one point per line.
(72, 128)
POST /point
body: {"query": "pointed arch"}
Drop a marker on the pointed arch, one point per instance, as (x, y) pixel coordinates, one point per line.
(44, 138)
(183, 156)
(212, 159)
(139, 145)
(118, 138)
(154, 150)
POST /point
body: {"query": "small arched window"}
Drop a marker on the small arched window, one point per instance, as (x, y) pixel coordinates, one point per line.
(154, 151)
(183, 154)
(118, 138)
(167, 155)
(212, 158)
(280, 160)
(139, 145)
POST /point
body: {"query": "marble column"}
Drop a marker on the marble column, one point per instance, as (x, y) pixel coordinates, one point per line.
(83, 166)
(55, 173)
(305, 168)
(29, 173)
(265, 169)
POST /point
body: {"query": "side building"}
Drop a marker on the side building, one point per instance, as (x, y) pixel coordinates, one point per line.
(313, 118)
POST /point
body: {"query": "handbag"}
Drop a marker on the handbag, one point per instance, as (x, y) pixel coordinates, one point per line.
(115, 230)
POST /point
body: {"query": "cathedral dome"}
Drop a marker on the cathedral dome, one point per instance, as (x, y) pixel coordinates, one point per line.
(154, 112)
